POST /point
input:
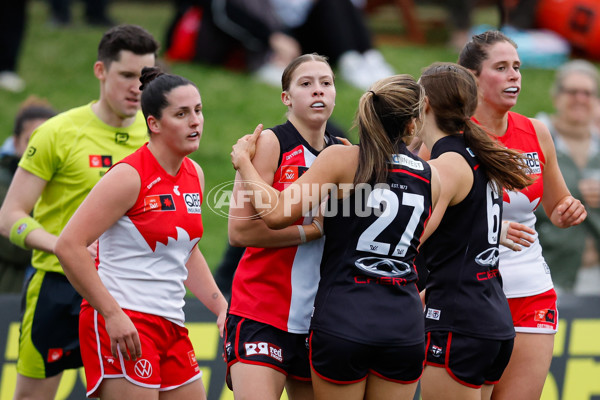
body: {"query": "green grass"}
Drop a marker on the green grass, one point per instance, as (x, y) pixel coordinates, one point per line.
(57, 65)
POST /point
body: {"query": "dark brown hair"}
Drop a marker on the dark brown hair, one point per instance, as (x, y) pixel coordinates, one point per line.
(475, 51)
(125, 37)
(383, 118)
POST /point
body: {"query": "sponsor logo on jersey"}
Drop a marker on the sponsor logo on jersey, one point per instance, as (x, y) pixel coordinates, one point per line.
(192, 358)
(21, 228)
(488, 257)
(402, 159)
(99, 161)
(490, 274)
(533, 163)
(290, 173)
(382, 267)
(176, 190)
(154, 182)
(30, 151)
(109, 359)
(121, 137)
(143, 368)
(546, 315)
(436, 351)
(54, 354)
(263, 349)
(546, 269)
(161, 202)
(293, 154)
(432, 313)
(192, 202)
(470, 152)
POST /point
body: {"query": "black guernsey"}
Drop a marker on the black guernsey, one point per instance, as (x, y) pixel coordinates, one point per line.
(367, 291)
(464, 288)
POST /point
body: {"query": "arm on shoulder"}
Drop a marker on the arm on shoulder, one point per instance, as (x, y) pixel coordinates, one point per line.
(245, 228)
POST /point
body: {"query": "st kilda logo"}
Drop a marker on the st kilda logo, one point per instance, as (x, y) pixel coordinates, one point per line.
(143, 368)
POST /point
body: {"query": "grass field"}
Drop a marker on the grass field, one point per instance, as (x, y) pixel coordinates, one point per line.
(57, 65)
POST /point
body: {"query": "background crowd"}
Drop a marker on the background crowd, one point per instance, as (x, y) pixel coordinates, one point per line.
(571, 112)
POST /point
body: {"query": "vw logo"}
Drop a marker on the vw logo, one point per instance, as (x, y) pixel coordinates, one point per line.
(488, 258)
(143, 368)
(378, 267)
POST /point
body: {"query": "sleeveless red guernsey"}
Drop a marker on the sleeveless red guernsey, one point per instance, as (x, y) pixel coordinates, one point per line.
(277, 286)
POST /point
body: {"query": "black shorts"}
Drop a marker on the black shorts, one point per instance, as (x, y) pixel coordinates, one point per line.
(343, 361)
(49, 341)
(469, 360)
(253, 342)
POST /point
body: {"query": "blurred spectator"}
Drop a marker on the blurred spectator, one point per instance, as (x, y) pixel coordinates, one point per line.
(95, 13)
(262, 36)
(13, 259)
(519, 14)
(12, 28)
(573, 254)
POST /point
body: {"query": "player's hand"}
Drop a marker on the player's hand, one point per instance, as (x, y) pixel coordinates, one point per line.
(514, 235)
(569, 212)
(344, 141)
(93, 249)
(245, 148)
(221, 321)
(124, 337)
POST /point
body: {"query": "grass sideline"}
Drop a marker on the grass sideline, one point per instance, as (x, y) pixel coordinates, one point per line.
(57, 65)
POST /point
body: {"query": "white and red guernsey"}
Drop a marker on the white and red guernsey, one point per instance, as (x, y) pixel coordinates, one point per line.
(277, 286)
(142, 257)
(524, 273)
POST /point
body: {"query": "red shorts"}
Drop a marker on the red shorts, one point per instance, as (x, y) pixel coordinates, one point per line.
(168, 359)
(535, 314)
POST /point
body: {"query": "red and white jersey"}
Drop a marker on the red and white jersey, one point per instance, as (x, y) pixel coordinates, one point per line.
(142, 257)
(525, 272)
(277, 286)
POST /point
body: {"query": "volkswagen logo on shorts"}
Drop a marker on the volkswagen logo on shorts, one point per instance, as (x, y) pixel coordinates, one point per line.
(488, 258)
(378, 267)
(143, 368)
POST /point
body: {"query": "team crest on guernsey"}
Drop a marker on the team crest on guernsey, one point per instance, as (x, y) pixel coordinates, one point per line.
(161, 202)
(432, 313)
(290, 173)
(99, 161)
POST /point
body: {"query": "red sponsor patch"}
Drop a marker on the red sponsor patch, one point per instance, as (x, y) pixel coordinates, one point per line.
(192, 357)
(546, 315)
(162, 202)
(99, 161)
(54, 355)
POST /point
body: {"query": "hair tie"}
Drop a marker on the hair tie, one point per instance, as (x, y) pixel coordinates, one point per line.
(375, 97)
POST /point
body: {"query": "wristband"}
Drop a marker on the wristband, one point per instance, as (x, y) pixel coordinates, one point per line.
(21, 229)
(302, 233)
(318, 225)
